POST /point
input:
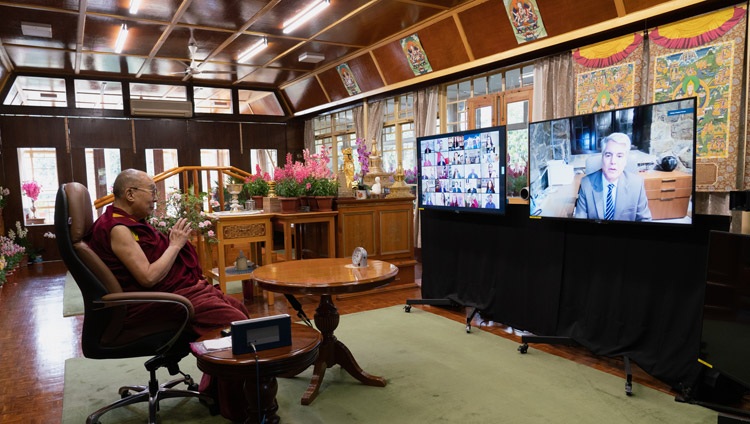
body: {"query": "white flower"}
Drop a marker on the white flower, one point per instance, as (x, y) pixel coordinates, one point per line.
(50, 235)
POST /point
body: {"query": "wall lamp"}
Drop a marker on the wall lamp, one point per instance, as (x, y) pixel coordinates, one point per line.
(305, 15)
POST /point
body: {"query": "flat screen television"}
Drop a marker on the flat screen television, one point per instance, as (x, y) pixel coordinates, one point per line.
(463, 171)
(725, 333)
(634, 164)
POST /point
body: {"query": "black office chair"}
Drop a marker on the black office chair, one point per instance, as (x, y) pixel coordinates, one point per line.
(105, 335)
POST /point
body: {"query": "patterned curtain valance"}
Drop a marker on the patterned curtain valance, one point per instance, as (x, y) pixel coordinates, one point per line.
(697, 31)
(609, 52)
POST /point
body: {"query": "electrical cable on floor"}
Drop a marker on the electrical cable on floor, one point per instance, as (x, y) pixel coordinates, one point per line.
(261, 417)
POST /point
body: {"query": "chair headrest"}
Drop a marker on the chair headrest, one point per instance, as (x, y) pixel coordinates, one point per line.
(79, 210)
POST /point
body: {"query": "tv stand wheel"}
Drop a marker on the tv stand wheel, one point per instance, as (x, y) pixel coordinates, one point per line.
(628, 388)
(407, 308)
(468, 328)
(523, 348)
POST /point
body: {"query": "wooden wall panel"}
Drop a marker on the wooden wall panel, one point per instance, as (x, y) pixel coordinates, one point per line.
(165, 134)
(443, 45)
(213, 135)
(561, 16)
(100, 133)
(636, 5)
(261, 136)
(365, 73)
(487, 28)
(305, 94)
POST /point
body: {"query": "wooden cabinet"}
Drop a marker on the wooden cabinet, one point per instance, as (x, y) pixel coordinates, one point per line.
(668, 193)
(384, 227)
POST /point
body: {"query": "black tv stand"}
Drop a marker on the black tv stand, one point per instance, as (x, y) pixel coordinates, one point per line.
(567, 341)
(441, 302)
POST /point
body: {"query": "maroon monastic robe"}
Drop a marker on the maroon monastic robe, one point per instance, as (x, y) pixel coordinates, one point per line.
(213, 309)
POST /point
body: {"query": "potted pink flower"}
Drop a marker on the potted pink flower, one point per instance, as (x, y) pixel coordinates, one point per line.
(32, 189)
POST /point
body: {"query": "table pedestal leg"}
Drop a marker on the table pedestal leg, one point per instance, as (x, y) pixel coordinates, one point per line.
(267, 397)
(333, 352)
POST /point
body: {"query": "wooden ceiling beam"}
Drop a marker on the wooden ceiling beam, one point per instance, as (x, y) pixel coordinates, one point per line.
(164, 35)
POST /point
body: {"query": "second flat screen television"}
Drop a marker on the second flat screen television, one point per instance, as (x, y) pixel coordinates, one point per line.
(463, 171)
(634, 164)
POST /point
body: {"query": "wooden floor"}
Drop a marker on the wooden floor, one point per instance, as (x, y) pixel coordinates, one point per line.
(36, 340)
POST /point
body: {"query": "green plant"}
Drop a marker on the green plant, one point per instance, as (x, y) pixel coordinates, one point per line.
(325, 187)
(256, 187)
(289, 187)
(185, 205)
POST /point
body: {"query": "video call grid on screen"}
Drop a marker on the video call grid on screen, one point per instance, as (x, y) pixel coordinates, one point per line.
(463, 171)
(564, 151)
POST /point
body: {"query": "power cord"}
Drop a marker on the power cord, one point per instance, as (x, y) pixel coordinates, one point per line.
(261, 417)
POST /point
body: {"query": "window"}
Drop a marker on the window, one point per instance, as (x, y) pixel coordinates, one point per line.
(39, 164)
(265, 158)
(338, 127)
(102, 167)
(158, 161)
(212, 100)
(98, 94)
(37, 91)
(254, 102)
(212, 157)
(398, 137)
(157, 92)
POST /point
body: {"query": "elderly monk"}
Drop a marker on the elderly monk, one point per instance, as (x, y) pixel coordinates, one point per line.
(142, 258)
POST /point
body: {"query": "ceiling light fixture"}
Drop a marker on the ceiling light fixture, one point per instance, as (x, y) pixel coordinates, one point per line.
(252, 51)
(313, 9)
(311, 57)
(31, 29)
(121, 37)
(134, 5)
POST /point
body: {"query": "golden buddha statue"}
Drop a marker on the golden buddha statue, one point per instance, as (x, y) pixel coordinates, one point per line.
(348, 166)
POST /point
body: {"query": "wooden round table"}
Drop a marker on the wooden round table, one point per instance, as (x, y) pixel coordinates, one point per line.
(327, 277)
(271, 363)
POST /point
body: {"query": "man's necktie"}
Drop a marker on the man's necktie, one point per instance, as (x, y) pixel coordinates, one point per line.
(609, 210)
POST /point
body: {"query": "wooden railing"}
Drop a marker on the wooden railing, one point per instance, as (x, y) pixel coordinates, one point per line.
(191, 176)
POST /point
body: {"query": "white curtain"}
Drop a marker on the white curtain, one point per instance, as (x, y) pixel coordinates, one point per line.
(310, 135)
(425, 123)
(374, 122)
(554, 87)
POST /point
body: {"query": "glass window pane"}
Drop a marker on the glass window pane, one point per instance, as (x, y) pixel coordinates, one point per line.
(158, 161)
(212, 100)
(254, 102)
(157, 91)
(102, 167)
(267, 159)
(451, 92)
(496, 83)
(213, 157)
(527, 75)
(517, 112)
(464, 90)
(38, 164)
(513, 79)
(480, 86)
(98, 94)
(37, 91)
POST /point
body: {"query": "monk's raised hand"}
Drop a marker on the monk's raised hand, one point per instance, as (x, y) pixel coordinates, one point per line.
(180, 232)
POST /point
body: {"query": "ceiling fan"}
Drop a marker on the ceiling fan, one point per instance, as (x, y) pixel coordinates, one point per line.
(194, 68)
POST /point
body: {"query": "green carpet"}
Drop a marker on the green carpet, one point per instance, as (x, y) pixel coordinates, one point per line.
(435, 372)
(73, 301)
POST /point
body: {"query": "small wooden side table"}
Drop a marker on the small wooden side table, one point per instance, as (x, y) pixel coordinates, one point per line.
(327, 277)
(285, 360)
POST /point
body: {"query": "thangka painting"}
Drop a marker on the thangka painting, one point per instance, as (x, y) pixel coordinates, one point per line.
(702, 57)
(608, 74)
(704, 73)
(605, 89)
(347, 77)
(525, 19)
(415, 54)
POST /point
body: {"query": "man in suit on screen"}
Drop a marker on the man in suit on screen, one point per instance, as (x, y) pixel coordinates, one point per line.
(612, 193)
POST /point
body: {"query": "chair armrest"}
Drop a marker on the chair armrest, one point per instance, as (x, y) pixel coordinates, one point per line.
(125, 298)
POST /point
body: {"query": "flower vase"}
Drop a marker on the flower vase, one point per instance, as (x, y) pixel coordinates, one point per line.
(325, 203)
(33, 210)
(289, 204)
